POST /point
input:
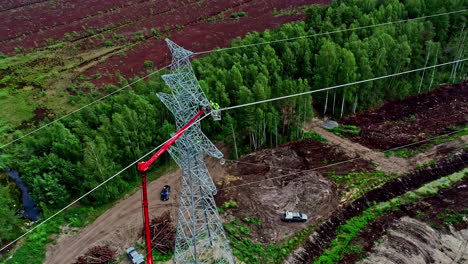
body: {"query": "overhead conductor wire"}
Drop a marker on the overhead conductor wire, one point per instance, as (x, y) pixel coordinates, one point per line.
(81, 108)
(95, 188)
(332, 32)
(225, 49)
(230, 108)
(223, 109)
(339, 86)
(332, 164)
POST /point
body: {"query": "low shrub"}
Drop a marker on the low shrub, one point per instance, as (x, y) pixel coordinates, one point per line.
(238, 15)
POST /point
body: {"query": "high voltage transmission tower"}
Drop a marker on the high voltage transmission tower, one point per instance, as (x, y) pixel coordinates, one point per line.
(200, 236)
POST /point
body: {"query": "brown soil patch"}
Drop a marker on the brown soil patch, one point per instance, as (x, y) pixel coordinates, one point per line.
(413, 119)
(290, 188)
(119, 227)
(389, 165)
(427, 210)
(323, 235)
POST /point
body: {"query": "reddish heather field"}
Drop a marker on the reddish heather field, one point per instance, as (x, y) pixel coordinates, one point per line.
(197, 25)
(79, 26)
(198, 34)
(6, 5)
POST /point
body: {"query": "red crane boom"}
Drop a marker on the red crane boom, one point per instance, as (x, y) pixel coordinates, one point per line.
(143, 167)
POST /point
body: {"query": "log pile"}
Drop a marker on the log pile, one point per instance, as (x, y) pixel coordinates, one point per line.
(162, 233)
(98, 255)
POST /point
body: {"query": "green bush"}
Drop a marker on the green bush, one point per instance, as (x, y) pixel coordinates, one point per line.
(345, 129)
(139, 35)
(88, 85)
(314, 136)
(229, 204)
(255, 221)
(68, 36)
(158, 256)
(156, 33)
(19, 49)
(108, 43)
(148, 64)
(244, 230)
(117, 36)
(238, 15)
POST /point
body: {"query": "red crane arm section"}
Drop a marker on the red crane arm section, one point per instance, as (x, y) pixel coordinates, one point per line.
(144, 165)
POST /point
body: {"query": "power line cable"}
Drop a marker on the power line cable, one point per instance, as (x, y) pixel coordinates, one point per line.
(229, 108)
(332, 32)
(337, 163)
(199, 120)
(83, 107)
(218, 50)
(223, 109)
(339, 86)
(95, 188)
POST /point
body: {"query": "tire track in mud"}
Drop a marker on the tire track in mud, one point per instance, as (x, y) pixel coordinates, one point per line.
(83, 20)
(419, 232)
(389, 165)
(325, 233)
(22, 5)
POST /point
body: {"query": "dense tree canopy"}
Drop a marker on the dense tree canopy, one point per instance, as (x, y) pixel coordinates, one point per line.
(66, 160)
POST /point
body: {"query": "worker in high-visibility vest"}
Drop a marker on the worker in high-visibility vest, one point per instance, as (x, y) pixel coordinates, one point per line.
(214, 105)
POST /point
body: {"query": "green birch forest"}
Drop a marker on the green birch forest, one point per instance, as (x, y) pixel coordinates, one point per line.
(67, 159)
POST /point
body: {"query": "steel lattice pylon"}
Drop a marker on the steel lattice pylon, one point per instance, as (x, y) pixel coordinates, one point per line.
(200, 236)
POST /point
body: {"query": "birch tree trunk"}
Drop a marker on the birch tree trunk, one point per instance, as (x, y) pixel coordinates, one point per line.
(235, 143)
(355, 104)
(424, 72)
(333, 109)
(433, 72)
(326, 103)
(342, 106)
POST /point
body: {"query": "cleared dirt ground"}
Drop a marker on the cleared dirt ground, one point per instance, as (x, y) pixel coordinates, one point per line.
(120, 227)
(295, 185)
(413, 119)
(417, 234)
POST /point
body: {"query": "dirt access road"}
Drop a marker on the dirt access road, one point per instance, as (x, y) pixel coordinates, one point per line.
(122, 225)
(387, 164)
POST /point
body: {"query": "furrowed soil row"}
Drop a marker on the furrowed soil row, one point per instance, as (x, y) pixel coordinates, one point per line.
(45, 16)
(201, 36)
(288, 190)
(86, 27)
(164, 22)
(325, 233)
(428, 210)
(7, 5)
(417, 118)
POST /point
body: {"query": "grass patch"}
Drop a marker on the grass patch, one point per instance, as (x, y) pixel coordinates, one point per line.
(314, 136)
(33, 247)
(14, 106)
(410, 152)
(359, 183)
(40, 79)
(288, 11)
(238, 15)
(450, 217)
(251, 252)
(345, 129)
